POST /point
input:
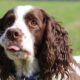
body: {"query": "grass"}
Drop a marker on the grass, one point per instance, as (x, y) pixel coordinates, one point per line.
(66, 12)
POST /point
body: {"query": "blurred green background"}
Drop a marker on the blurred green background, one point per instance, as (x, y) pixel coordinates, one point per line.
(66, 12)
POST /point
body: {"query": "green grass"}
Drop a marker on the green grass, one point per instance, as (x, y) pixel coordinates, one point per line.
(66, 12)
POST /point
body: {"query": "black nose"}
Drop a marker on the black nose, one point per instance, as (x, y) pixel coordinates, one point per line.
(13, 34)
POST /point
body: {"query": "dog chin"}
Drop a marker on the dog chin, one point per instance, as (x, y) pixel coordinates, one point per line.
(22, 55)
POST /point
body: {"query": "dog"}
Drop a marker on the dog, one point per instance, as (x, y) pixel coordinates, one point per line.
(34, 46)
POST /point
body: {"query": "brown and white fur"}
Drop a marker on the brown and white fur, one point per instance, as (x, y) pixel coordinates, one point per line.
(32, 41)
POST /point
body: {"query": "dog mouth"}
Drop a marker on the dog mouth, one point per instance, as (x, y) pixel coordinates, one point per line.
(16, 48)
(13, 48)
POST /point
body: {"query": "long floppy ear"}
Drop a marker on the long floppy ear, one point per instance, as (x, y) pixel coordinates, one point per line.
(1, 30)
(54, 52)
(7, 68)
(0, 22)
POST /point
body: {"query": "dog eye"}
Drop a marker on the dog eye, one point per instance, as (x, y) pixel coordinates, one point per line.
(34, 22)
(9, 21)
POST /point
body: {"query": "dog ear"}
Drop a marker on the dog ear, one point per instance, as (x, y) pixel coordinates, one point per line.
(7, 67)
(1, 27)
(0, 22)
(54, 52)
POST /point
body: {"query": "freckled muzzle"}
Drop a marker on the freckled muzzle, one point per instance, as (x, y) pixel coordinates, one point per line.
(15, 49)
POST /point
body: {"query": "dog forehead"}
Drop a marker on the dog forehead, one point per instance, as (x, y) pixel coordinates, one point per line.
(22, 10)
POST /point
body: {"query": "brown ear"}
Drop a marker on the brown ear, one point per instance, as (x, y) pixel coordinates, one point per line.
(0, 22)
(1, 27)
(7, 68)
(54, 51)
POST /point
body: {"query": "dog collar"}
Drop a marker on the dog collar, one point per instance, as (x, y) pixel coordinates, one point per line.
(33, 77)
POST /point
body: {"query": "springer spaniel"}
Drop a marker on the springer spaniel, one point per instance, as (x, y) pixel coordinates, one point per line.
(33, 46)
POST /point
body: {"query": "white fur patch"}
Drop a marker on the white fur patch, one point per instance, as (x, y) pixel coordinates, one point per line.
(27, 43)
(27, 67)
(76, 68)
(27, 39)
(77, 58)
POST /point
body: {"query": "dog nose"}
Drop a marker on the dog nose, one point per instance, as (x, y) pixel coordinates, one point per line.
(13, 34)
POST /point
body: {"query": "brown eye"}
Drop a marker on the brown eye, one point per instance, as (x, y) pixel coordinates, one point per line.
(34, 22)
(9, 21)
